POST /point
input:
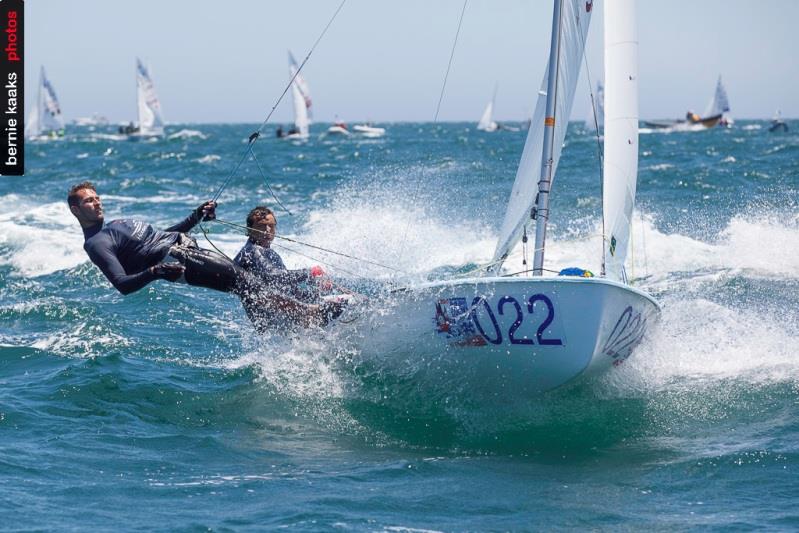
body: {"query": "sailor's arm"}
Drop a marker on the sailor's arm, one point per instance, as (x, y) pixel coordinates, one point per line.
(206, 211)
(108, 263)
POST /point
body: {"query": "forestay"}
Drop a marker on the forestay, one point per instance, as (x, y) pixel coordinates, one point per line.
(621, 132)
(151, 122)
(576, 17)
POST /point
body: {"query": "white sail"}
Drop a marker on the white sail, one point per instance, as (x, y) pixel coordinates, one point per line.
(719, 104)
(301, 98)
(151, 122)
(45, 116)
(575, 21)
(621, 131)
(598, 106)
(486, 121)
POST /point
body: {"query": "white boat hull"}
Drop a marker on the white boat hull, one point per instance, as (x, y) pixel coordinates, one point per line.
(369, 131)
(337, 130)
(510, 337)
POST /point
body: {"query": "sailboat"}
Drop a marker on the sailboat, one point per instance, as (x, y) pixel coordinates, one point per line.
(777, 124)
(596, 111)
(486, 120)
(45, 120)
(301, 103)
(720, 105)
(714, 115)
(151, 121)
(516, 336)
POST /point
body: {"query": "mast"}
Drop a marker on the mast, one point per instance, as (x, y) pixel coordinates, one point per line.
(542, 200)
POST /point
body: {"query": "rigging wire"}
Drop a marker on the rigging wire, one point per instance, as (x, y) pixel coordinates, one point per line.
(320, 248)
(598, 146)
(255, 135)
(415, 194)
(266, 182)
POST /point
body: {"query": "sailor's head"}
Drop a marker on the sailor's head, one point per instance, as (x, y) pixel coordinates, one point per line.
(262, 226)
(85, 204)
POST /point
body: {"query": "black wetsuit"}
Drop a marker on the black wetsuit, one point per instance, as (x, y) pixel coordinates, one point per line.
(126, 249)
(270, 270)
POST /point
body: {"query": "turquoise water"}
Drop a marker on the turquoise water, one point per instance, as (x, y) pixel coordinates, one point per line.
(163, 410)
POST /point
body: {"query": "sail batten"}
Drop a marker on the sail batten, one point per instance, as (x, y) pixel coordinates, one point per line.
(576, 17)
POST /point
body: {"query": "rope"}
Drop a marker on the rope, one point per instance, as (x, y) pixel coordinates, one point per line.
(266, 182)
(327, 250)
(449, 65)
(415, 194)
(205, 234)
(258, 132)
(598, 144)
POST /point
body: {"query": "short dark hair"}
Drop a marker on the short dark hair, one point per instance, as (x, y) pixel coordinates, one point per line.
(258, 212)
(72, 197)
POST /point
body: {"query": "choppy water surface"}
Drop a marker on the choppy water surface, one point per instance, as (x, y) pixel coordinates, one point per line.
(162, 410)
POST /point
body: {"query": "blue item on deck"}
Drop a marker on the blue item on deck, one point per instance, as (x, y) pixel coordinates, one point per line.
(574, 271)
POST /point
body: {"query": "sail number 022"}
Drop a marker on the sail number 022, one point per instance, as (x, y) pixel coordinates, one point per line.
(510, 306)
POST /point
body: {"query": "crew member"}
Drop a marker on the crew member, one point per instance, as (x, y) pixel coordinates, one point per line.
(132, 253)
(259, 258)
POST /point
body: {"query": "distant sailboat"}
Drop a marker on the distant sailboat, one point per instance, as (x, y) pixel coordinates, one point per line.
(720, 105)
(301, 100)
(151, 121)
(593, 121)
(777, 124)
(45, 118)
(487, 122)
(712, 117)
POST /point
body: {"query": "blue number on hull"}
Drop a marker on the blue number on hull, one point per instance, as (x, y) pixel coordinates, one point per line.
(545, 324)
(517, 322)
(477, 301)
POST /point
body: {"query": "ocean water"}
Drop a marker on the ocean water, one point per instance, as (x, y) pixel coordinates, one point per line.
(162, 410)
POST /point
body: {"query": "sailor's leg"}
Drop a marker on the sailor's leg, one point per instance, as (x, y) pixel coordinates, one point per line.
(205, 268)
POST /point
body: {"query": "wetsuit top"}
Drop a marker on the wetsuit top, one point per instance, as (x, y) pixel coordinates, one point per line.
(269, 267)
(125, 249)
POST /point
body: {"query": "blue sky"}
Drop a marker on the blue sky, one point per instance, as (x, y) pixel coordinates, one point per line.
(385, 61)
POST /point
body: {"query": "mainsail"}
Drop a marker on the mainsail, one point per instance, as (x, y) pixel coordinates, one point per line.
(486, 121)
(576, 17)
(301, 98)
(719, 104)
(151, 122)
(45, 115)
(621, 132)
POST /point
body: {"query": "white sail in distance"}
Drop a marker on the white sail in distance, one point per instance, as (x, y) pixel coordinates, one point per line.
(621, 132)
(151, 122)
(576, 18)
(301, 99)
(45, 116)
(486, 121)
(719, 104)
